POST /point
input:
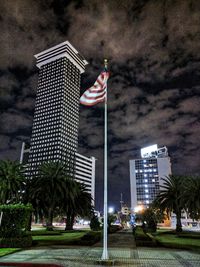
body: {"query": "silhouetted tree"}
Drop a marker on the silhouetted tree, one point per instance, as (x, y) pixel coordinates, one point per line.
(12, 182)
(170, 197)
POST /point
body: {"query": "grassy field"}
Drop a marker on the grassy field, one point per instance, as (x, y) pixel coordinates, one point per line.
(188, 240)
(42, 237)
(59, 238)
(6, 251)
(185, 240)
(45, 232)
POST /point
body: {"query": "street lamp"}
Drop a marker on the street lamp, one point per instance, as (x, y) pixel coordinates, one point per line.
(138, 208)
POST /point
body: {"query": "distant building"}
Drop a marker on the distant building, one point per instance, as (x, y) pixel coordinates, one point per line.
(85, 172)
(146, 174)
(56, 118)
(125, 210)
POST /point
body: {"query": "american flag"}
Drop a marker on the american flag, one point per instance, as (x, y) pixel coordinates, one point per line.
(96, 93)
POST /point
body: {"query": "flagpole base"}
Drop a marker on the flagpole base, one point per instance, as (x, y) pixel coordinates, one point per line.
(105, 255)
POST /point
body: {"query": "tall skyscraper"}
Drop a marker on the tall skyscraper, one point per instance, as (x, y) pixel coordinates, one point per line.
(146, 175)
(56, 118)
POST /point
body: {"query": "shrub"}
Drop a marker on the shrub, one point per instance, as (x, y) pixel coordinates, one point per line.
(95, 224)
(16, 242)
(14, 224)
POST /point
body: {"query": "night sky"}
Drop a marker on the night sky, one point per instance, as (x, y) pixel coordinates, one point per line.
(153, 49)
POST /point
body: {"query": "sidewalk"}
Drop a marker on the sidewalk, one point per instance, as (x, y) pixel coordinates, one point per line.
(121, 239)
(121, 249)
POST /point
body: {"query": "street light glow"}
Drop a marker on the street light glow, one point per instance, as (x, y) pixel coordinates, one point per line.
(138, 208)
(110, 210)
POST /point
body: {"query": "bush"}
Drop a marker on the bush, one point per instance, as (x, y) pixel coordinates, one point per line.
(95, 224)
(16, 242)
(14, 224)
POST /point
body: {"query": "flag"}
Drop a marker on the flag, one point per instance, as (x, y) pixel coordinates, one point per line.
(96, 93)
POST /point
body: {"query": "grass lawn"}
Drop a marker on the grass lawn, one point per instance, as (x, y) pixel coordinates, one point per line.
(186, 240)
(6, 251)
(59, 239)
(164, 230)
(139, 234)
(45, 232)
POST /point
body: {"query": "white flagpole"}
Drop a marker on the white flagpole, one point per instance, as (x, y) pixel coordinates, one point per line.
(105, 221)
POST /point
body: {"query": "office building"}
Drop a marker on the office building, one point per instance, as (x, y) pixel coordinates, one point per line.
(85, 172)
(146, 175)
(56, 117)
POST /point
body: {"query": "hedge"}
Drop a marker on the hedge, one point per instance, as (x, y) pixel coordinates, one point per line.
(15, 221)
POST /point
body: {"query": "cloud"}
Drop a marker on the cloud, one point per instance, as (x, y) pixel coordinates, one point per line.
(27, 27)
(4, 141)
(190, 104)
(12, 121)
(153, 92)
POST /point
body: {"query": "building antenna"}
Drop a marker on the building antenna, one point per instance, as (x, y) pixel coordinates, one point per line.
(121, 201)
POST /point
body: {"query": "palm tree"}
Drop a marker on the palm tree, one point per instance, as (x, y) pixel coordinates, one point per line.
(12, 181)
(170, 197)
(191, 195)
(77, 203)
(53, 189)
(48, 189)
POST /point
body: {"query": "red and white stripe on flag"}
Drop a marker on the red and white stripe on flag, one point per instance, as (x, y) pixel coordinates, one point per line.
(96, 93)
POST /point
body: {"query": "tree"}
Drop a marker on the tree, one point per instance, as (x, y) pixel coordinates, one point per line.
(77, 202)
(152, 216)
(12, 182)
(48, 189)
(170, 197)
(191, 196)
(54, 190)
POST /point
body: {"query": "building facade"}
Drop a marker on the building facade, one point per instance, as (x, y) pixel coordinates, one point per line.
(85, 172)
(56, 117)
(146, 176)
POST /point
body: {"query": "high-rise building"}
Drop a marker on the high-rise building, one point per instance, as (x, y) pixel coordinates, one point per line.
(146, 175)
(56, 118)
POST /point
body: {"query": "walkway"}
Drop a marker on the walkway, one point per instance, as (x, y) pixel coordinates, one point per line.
(121, 250)
(121, 239)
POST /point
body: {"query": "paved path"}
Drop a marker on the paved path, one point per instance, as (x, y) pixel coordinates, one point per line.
(121, 239)
(121, 252)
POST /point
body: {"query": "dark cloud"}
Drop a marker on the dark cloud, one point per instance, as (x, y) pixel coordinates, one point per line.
(154, 90)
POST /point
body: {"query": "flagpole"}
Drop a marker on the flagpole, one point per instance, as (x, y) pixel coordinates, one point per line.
(105, 227)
